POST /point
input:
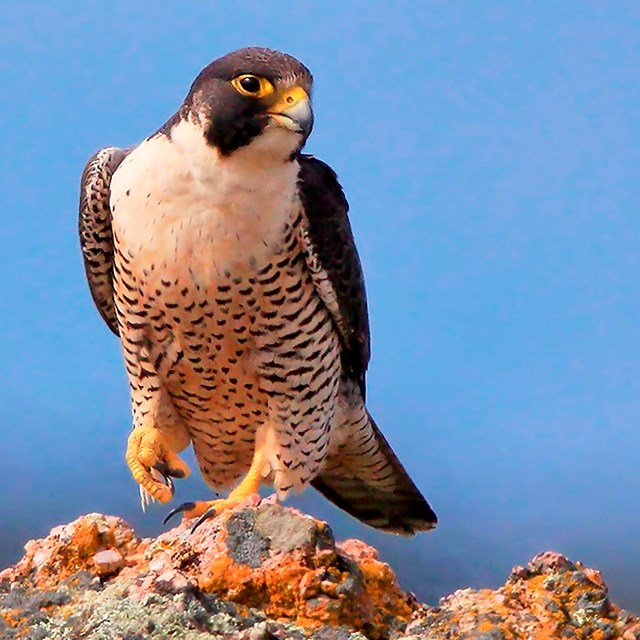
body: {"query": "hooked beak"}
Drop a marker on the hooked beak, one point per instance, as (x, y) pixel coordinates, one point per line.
(292, 110)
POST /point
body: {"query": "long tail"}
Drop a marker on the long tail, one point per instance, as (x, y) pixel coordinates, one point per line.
(366, 479)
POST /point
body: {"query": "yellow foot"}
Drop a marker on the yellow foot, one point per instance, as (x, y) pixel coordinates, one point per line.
(205, 510)
(249, 486)
(147, 449)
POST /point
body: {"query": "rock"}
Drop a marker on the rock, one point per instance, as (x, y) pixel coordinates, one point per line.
(107, 561)
(264, 572)
(550, 598)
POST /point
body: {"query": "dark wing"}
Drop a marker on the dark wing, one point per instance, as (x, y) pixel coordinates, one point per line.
(357, 476)
(333, 260)
(94, 227)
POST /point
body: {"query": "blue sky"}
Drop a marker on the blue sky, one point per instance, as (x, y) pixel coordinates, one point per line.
(491, 156)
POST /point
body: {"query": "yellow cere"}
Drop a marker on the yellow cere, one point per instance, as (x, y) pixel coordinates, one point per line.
(288, 99)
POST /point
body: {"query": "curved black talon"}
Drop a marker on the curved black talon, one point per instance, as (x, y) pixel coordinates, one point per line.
(185, 506)
(209, 513)
(166, 474)
(167, 471)
(168, 480)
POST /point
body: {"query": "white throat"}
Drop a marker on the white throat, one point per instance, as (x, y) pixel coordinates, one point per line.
(179, 197)
(267, 155)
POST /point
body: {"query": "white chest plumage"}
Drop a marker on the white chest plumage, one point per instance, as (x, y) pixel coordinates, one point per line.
(177, 201)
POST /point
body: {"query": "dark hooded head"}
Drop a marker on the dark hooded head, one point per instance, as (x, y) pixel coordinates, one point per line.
(252, 94)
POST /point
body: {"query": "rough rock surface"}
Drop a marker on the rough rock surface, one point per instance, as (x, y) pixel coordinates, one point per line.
(266, 572)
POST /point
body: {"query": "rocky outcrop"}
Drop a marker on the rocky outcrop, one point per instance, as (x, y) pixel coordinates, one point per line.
(263, 572)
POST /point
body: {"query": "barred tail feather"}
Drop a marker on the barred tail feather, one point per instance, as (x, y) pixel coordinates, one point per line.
(366, 479)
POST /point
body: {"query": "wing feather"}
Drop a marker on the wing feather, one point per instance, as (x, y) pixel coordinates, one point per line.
(333, 260)
(94, 227)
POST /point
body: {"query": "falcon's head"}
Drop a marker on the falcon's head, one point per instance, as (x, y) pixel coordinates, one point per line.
(253, 97)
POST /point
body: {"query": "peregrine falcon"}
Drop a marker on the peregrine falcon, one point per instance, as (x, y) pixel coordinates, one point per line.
(223, 258)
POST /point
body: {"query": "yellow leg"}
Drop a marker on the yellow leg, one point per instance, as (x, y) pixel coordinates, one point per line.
(249, 486)
(151, 448)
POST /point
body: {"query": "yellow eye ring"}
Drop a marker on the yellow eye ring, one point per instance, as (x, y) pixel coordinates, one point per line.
(252, 86)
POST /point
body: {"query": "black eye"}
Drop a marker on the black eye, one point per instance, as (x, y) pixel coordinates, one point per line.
(250, 84)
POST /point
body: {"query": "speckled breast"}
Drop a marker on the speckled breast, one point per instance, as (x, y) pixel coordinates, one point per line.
(240, 347)
(211, 281)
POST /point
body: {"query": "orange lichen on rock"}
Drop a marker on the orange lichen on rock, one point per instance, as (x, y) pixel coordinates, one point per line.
(287, 565)
(264, 571)
(73, 547)
(379, 582)
(550, 598)
(13, 618)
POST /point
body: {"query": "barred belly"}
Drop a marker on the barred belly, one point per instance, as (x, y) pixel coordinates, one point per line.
(251, 353)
